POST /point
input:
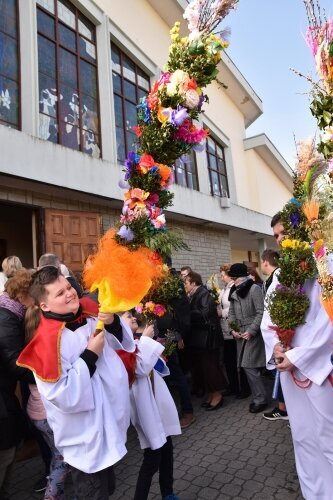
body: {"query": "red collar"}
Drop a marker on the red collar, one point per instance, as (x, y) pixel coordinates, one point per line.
(42, 354)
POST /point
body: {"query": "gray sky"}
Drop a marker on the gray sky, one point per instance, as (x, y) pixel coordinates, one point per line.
(267, 38)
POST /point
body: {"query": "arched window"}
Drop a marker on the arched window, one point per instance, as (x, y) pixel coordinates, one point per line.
(9, 64)
(67, 66)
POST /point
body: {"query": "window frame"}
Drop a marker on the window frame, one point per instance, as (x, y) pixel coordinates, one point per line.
(18, 81)
(122, 96)
(220, 175)
(187, 173)
(79, 57)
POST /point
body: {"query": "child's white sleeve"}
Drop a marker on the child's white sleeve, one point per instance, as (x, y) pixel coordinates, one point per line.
(72, 393)
(147, 355)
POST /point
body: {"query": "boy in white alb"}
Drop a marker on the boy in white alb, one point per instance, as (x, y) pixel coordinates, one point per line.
(82, 381)
(153, 412)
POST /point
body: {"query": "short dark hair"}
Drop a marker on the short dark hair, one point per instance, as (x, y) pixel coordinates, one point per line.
(193, 277)
(276, 219)
(186, 268)
(44, 276)
(271, 256)
(49, 259)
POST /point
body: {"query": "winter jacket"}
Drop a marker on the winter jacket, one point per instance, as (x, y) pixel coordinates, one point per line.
(246, 309)
(12, 420)
(203, 316)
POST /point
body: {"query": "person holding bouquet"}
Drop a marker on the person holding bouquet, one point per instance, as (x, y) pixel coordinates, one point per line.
(153, 411)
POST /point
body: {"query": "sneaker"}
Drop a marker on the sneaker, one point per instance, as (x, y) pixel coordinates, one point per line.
(41, 484)
(186, 420)
(276, 414)
(171, 497)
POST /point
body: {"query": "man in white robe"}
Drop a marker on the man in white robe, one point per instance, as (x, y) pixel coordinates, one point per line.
(307, 384)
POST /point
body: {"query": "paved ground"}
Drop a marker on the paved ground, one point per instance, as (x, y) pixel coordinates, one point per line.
(229, 453)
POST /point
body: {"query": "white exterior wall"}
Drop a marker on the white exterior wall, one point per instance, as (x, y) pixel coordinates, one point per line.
(145, 37)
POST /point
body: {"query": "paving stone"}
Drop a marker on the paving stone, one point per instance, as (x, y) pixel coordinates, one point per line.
(208, 494)
(229, 455)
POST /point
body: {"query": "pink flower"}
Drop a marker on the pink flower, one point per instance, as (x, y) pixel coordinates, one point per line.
(159, 310)
(164, 78)
(139, 308)
(189, 133)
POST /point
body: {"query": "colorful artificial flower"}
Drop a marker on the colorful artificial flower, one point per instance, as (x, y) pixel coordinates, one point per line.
(294, 244)
(189, 133)
(136, 198)
(311, 210)
(126, 233)
(165, 173)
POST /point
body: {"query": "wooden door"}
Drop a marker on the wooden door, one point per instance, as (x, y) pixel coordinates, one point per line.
(71, 235)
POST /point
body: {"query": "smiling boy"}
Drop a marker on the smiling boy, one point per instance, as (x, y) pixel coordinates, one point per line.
(82, 380)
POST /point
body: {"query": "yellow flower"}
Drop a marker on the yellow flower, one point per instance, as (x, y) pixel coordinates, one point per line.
(295, 244)
(163, 116)
(175, 37)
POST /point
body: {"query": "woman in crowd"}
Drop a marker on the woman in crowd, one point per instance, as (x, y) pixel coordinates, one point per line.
(238, 383)
(9, 267)
(58, 469)
(13, 304)
(245, 314)
(204, 342)
(255, 277)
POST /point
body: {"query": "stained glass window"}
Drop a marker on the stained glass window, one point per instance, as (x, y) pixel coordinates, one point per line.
(9, 65)
(130, 83)
(217, 168)
(185, 171)
(68, 91)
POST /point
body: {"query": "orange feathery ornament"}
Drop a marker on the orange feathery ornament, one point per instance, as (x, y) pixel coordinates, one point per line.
(122, 276)
(311, 210)
(328, 306)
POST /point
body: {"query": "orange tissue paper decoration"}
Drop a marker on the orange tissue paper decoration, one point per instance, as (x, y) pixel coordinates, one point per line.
(328, 306)
(128, 273)
(311, 210)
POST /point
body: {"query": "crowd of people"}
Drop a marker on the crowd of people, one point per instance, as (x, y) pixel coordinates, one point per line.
(79, 393)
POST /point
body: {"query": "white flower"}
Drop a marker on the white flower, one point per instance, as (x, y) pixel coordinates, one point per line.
(192, 99)
(327, 135)
(176, 79)
(5, 99)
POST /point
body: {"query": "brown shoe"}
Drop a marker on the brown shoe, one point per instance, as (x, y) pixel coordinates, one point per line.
(186, 420)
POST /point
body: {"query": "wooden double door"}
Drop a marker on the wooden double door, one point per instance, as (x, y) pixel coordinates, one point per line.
(71, 235)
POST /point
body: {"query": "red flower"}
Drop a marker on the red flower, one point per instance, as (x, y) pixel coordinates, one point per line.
(137, 130)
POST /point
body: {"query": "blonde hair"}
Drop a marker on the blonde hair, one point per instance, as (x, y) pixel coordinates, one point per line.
(10, 265)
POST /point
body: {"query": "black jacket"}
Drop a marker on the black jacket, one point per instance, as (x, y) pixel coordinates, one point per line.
(203, 316)
(178, 320)
(12, 420)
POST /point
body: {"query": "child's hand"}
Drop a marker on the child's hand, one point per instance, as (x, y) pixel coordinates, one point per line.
(149, 331)
(96, 343)
(107, 318)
